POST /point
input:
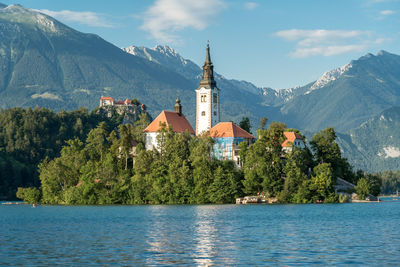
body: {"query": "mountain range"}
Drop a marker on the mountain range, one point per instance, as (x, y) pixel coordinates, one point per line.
(46, 63)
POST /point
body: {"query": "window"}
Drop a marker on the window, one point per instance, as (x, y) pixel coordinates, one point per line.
(203, 98)
(215, 113)
(215, 98)
(203, 113)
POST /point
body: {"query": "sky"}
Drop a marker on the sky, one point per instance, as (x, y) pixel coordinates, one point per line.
(271, 43)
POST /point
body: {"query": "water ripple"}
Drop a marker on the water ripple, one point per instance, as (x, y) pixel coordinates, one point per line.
(228, 235)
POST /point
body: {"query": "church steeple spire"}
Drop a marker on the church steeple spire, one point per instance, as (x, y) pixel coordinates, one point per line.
(208, 70)
(207, 98)
(178, 107)
(208, 58)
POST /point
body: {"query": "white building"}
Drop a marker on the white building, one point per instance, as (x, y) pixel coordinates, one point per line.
(207, 98)
(174, 119)
(292, 140)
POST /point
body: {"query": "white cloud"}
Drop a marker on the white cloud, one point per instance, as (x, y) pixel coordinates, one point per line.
(326, 50)
(381, 1)
(325, 42)
(387, 12)
(86, 17)
(167, 17)
(309, 37)
(250, 5)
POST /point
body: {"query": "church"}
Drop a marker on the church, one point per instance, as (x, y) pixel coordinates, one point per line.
(227, 135)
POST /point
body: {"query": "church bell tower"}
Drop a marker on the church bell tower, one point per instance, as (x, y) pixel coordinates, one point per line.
(207, 98)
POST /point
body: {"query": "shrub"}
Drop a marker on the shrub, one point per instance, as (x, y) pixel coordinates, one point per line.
(30, 195)
(362, 188)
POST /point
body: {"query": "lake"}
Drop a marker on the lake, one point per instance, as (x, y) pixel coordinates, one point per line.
(203, 235)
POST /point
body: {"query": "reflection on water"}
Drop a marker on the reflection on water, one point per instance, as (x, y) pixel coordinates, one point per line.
(204, 236)
(212, 236)
(221, 235)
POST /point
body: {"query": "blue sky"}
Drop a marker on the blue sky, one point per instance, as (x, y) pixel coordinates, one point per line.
(274, 43)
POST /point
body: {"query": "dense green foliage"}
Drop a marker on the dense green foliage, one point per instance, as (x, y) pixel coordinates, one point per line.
(102, 171)
(362, 188)
(326, 150)
(107, 169)
(27, 136)
(390, 182)
(245, 124)
(289, 177)
(30, 195)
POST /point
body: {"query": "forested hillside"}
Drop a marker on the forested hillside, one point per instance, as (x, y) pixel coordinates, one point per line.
(28, 136)
(374, 145)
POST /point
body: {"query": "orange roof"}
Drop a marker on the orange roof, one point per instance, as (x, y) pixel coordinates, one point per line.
(106, 98)
(290, 138)
(179, 124)
(229, 129)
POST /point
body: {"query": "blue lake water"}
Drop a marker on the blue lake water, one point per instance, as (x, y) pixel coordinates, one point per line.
(261, 235)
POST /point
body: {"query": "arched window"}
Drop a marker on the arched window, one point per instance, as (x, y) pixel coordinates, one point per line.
(203, 113)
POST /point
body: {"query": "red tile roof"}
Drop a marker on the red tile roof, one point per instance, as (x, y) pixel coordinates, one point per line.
(107, 98)
(178, 123)
(229, 129)
(290, 138)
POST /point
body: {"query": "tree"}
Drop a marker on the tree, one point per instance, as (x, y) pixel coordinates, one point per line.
(326, 150)
(202, 166)
(30, 195)
(362, 188)
(294, 176)
(390, 181)
(96, 142)
(242, 152)
(254, 168)
(263, 165)
(245, 124)
(140, 182)
(263, 122)
(63, 172)
(135, 102)
(322, 183)
(126, 139)
(375, 184)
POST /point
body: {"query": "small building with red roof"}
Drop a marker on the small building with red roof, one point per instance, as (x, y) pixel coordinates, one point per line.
(108, 105)
(106, 101)
(227, 137)
(174, 119)
(292, 140)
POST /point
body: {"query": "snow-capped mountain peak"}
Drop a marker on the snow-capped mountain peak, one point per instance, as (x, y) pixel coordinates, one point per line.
(328, 77)
(152, 53)
(166, 56)
(164, 49)
(19, 14)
